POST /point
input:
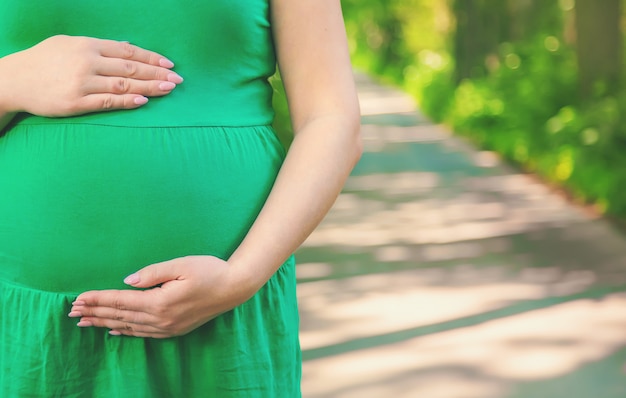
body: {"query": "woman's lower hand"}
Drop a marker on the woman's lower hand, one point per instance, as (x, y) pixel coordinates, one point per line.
(189, 292)
(68, 75)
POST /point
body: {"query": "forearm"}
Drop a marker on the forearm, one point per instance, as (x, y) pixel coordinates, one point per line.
(312, 52)
(317, 165)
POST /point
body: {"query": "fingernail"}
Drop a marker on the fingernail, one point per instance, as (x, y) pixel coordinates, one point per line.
(114, 333)
(78, 302)
(74, 314)
(140, 100)
(84, 324)
(174, 78)
(166, 86)
(166, 63)
(131, 279)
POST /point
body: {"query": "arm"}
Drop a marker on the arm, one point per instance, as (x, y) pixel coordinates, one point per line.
(313, 57)
(314, 62)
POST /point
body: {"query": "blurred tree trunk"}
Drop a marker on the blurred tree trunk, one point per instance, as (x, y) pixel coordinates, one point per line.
(392, 44)
(599, 44)
(530, 17)
(478, 31)
(482, 25)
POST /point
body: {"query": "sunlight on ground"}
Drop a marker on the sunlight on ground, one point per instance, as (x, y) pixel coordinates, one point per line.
(371, 305)
(465, 216)
(375, 99)
(376, 138)
(481, 361)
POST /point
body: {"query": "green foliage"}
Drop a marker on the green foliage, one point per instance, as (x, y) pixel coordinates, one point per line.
(386, 35)
(282, 120)
(527, 110)
(525, 107)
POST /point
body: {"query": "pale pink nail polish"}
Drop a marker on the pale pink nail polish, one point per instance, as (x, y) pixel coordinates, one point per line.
(140, 100)
(166, 63)
(74, 314)
(131, 279)
(84, 324)
(114, 333)
(174, 78)
(167, 86)
(78, 302)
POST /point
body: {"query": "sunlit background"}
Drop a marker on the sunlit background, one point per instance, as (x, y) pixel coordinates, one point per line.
(477, 250)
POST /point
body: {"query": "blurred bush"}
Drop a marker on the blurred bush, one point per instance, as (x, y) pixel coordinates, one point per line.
(513, 76)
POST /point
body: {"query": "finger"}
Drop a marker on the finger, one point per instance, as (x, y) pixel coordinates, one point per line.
(108, 102)
(124, 50)
(118, 325)
(133, 317)
(135, 70)
(123, 85)
(116, 332)
(157, 273)
(123, 300)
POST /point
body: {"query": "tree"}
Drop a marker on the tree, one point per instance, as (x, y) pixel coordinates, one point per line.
(480, 26)
(599, 43)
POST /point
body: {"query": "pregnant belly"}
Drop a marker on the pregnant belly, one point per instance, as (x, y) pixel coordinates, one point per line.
(83, 206)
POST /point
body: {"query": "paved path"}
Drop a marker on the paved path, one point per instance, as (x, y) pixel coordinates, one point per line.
(442, 273)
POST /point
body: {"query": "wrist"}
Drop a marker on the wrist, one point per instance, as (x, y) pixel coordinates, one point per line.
(246, 278)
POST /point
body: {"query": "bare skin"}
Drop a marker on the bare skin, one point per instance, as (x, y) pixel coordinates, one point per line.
(68, 76)
(313, 58)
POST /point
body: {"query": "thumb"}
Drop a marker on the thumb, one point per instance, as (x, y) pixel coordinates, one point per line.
(153, 275)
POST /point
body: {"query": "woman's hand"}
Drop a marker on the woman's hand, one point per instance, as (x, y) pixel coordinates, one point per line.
(192, 291)
(68, 75)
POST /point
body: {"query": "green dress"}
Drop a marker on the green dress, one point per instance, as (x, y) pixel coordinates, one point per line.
(87, 200)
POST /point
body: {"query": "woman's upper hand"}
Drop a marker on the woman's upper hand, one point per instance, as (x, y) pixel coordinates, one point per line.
(69, 75)
(189, 292)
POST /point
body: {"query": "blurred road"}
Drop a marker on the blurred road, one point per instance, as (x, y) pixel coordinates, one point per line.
(443, 273)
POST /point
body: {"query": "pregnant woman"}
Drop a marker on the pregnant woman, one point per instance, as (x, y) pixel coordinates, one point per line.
(144, 193)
